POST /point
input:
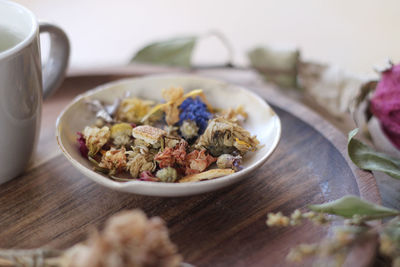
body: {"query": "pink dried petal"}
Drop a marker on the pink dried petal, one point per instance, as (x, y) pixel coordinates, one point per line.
(385, 103)
(147, 176)
(82, 145)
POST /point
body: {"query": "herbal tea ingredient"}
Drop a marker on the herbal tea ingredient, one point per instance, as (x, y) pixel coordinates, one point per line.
(128, 239)
(167, 142)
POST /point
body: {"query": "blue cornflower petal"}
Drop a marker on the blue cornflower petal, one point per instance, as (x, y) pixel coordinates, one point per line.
(195, 110)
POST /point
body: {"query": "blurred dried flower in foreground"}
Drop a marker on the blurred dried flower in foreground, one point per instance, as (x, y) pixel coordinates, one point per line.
(129, 239)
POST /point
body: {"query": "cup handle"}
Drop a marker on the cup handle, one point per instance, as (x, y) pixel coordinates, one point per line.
(54, 70)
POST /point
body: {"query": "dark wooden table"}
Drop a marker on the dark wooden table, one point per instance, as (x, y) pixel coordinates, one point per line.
(52, 204)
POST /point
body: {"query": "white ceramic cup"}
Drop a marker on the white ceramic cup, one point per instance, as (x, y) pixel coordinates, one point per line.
(23, 83)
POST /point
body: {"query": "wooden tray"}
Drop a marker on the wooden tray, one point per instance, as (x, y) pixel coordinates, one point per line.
(53, 205)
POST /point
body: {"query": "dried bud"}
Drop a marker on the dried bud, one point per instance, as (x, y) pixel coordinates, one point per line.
(277, 219)
(168, 175)
(228, 161)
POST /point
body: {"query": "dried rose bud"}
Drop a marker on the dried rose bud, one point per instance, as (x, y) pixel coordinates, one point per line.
(82, 145)
(385, 103)
(228, 161)
(148, 176)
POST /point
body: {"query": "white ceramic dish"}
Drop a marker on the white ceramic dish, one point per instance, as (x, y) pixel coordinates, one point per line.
(262, 122)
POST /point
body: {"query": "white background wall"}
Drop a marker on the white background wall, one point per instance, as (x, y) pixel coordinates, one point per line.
(354, 34)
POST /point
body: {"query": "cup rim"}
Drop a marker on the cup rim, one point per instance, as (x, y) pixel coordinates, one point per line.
(28, 39)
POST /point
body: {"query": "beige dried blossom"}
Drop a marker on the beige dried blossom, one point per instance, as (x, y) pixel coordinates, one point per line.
(129, 239)
(95, 138)
(189, 129)
(113, 160)
(133, 109)
(121, 134)
(235, 115)
(140, 159)
(167, 175)
(277, 219)
(223, 137)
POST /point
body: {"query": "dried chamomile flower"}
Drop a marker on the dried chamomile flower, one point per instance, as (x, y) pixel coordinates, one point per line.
(128, 239)
(277, 219)
(133, 109)
(167, 175)
(228, 161)
(171, 141)
(121, 134)
(189, 129)
(235, 115)
(113, 160)
(95, 138)
(224, 137)
(140, 160)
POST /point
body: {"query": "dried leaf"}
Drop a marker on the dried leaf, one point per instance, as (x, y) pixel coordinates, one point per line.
(174, 52)
(348, 206)
(330, 87)
(367, 158)
(365, 90)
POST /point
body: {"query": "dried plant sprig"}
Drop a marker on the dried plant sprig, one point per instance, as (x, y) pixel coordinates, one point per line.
(359, 227)
(296, 218)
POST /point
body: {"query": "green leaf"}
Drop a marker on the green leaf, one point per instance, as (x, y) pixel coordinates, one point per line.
(348, 206)
(276, 65)
(367, 158)
(173, 52)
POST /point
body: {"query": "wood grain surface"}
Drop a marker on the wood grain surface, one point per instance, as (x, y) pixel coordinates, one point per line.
(52, 204)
